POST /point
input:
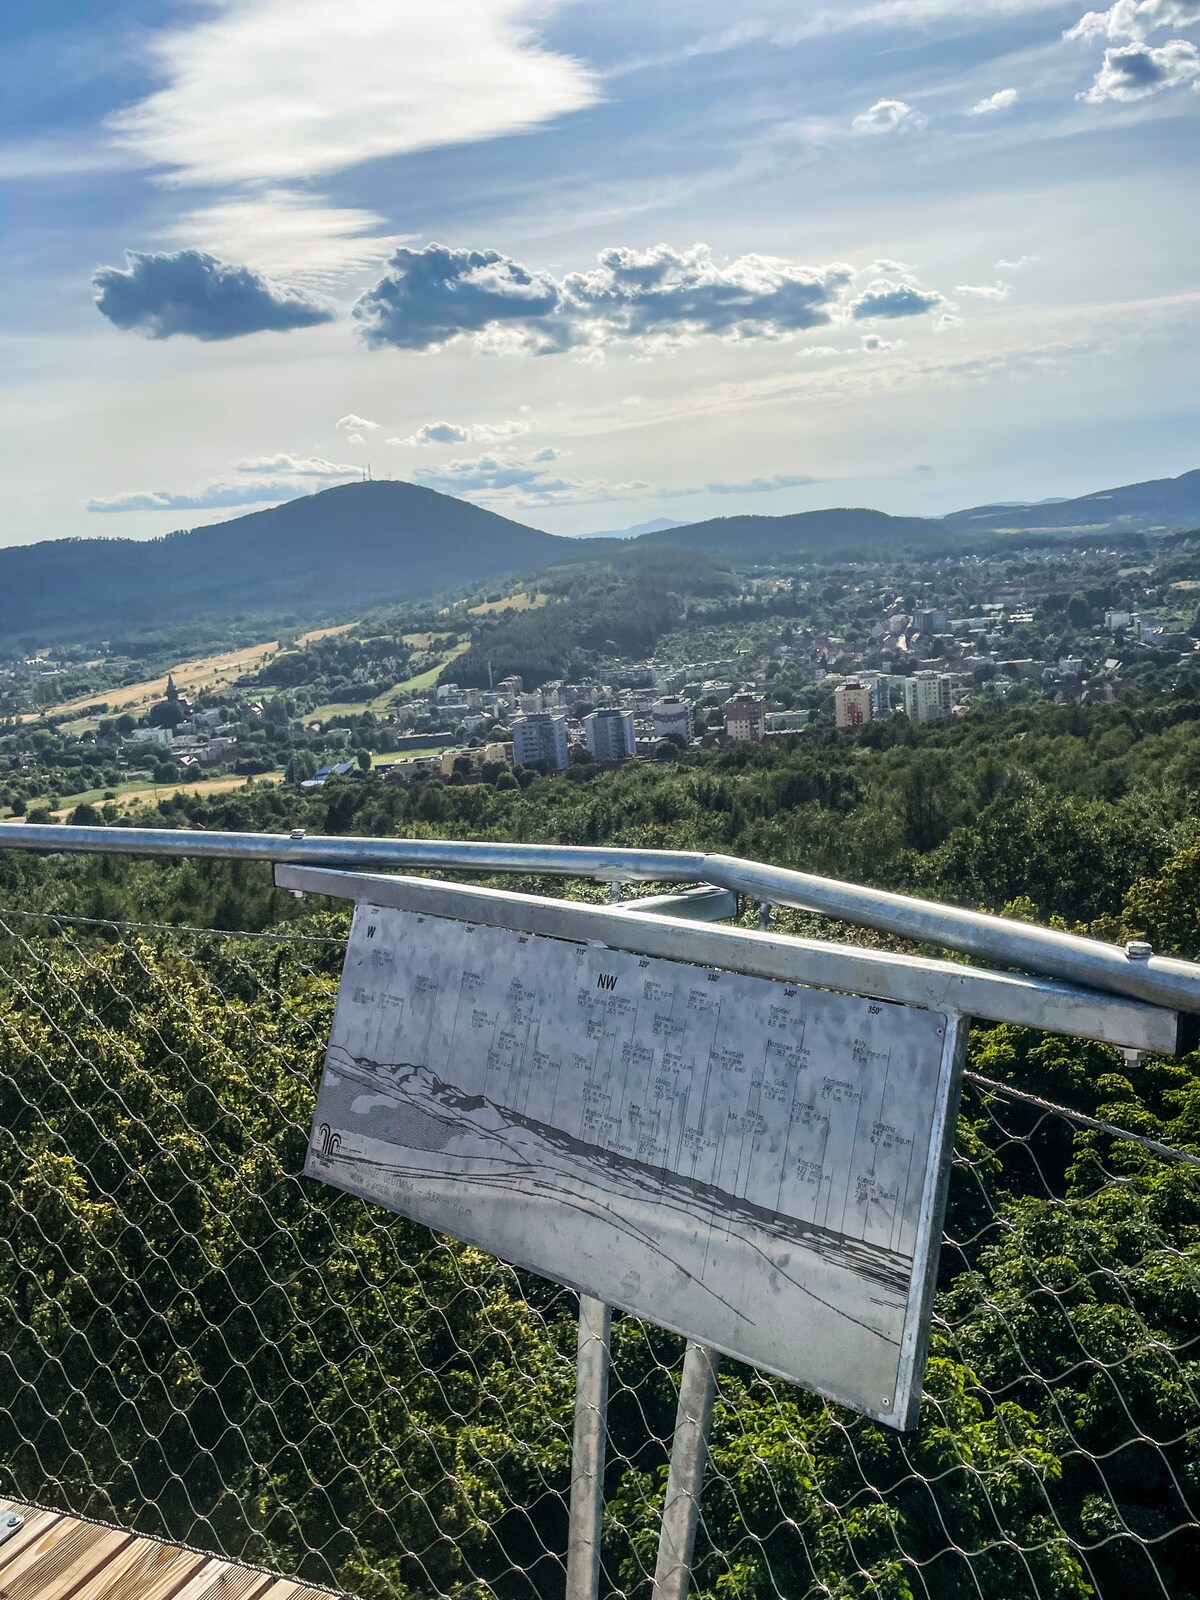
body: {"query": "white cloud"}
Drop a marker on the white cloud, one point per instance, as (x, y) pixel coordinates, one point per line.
(1000, 101)
(457, 433)
(276, 91)
(657, 298)
(873, 344)
(299, 466)
(884, 298)
(985, 291)
(1136, 71)
(1134, 19)
(1015, 265)
(278, 231)
(354, 424)
(888, 116)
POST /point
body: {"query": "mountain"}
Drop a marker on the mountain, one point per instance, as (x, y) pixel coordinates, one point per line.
(659, 525)
(1158, 503)
(356, 545)
(841, 529)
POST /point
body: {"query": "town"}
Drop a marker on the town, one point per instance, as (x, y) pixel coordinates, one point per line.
(784, 651)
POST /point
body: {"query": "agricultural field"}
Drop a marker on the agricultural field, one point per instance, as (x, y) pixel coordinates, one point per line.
(204, 672)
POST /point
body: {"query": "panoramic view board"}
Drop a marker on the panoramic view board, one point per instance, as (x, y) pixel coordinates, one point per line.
(731, 1157)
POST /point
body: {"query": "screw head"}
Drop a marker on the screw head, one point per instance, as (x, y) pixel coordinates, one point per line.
(1138, 950)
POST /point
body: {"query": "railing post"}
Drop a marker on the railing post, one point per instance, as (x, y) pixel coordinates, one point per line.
(587, 1452)
(689, 1456)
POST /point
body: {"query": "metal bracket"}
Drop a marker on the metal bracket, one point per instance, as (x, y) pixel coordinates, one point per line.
(10, 1522)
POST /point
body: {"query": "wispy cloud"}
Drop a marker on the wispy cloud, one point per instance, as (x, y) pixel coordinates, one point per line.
(271, 91)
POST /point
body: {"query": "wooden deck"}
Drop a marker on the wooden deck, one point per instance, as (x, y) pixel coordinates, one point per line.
(53, 1557)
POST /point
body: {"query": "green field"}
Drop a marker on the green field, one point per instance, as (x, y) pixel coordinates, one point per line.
(416, 685)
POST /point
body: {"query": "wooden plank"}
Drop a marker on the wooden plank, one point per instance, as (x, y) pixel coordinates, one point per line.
(57, 1563)
(143, 1570)
(217, 1580)
(36, 1524)
(285, 1589)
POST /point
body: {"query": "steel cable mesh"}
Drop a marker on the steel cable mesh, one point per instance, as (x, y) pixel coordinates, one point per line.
(197, 1342)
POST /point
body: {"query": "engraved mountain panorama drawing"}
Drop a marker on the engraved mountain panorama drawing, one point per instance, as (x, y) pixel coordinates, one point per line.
(737, 1159)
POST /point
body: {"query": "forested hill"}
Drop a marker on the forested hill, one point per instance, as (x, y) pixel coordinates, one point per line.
(1158, 503)
(843, 529)
(353, 545)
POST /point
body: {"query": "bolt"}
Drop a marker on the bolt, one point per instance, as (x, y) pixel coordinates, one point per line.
(1138, 950)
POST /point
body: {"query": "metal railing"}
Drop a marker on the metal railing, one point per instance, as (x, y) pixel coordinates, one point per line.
(1133, 970)
(197, 1343)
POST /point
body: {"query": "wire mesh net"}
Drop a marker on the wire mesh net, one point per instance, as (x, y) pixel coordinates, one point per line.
(198, 1343)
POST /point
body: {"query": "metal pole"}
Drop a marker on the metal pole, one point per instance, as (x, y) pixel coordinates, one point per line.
(587, 1452)
(689, 1456)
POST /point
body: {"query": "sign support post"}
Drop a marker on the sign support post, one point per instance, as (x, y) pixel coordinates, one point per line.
(587, 1451)
(689, 1456)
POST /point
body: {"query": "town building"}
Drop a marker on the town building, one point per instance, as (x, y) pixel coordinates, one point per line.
(928, 695)
(746, 717)
(671, 717)
(853, 704)
(610, 735)
(541, 737)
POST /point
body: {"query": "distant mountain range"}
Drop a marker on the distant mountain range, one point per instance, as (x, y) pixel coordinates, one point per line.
(364, 544)
(1159, 503)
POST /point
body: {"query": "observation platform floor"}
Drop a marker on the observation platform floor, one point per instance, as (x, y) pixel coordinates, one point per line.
(55, 1557)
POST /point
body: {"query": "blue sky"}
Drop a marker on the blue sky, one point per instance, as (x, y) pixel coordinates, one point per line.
(588, 264)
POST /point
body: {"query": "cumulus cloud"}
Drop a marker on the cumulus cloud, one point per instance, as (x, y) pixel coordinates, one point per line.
(1135, 19)
(429, 297)
(456, 433)
(888, 116)
(190, 292)
(985, 291)
(260, 91)
(492, 473)
(355, 424)
(1016, 264)
(1136, 71)
(883, 298)
(873, 344)
(1000, 101)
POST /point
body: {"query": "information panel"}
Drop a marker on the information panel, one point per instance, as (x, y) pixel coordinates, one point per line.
(751, 1164)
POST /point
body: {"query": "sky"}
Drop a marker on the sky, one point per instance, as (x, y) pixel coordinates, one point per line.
(590, 264)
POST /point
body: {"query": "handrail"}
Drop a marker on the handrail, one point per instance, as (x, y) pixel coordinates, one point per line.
(1133, 970)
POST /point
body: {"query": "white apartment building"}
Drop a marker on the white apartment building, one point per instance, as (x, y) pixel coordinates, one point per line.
(928, 695)
(853, 704)
(610, 735)
(746, 717)
(541, 737)
(671, 716)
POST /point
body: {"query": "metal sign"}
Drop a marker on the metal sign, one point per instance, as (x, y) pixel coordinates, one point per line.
(757, 1165)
